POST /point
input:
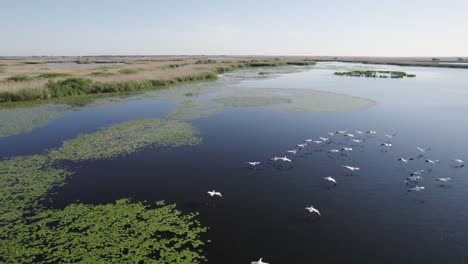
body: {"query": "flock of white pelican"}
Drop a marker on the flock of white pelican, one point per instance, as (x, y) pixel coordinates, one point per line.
(413, 181)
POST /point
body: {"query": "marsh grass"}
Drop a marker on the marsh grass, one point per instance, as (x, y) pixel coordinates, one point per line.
(131, 70)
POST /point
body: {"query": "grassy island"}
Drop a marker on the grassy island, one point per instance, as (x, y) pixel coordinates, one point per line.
(376, 74)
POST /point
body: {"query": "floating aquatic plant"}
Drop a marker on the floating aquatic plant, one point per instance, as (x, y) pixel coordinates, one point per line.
(191, 109)
(126, 138)
(376, 74)
(24, 182)
(123, 232)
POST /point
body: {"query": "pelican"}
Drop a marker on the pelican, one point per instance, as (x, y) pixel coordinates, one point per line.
(308, 140)
(317, 141)
(432, 161)
(443, 179)
(331, 133)
(341, 131)
(284, 159)
(311, 209)
(334, 150)
(253, 163)
(351, 168)
(323, 138)
(386, 144)
(357, 140)
(359, 132)
(301, 145)
(347, 149)
(419, 172)
(459, 163)
(416, 188)
(213, 193)
(391, 136)
(330, 179)
(403, 160)
(293, 151)
(349, 135)
(371, 132)
(423, 150)
(259, 262)
(275, 158)
(413, 179)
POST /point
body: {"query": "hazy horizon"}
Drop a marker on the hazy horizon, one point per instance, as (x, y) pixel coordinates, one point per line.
(292, 28)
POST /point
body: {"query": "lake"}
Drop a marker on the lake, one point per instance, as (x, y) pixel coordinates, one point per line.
(243, 116)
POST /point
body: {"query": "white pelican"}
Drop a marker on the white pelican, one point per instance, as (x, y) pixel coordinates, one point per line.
(330, 179)
(317, 141)
(285, 159)
(331, 133)
(340, 132)
(371, 132)
(459, 163)
(351, 168)
(334, 150)
(391, 136)
(432, 161)
(416, 188)
(293, 151)
(259, 262)
(349, 135)
(386, 144)
(413, 179)
(403, 160)
(301, 145)
(419, 172)
(213, 193)
(443, 179)
(323, 138)
(357, 140)
(311, 209)
(253, 163)
(308, 140)
(423, 150)
(347, 149)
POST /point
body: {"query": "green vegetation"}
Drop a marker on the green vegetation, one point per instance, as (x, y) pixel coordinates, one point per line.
(297, 100)
(123, 232)
(263, 73)
(131, 70)
(2, 69)
(19, 78)
(53, 75)
(127, 138)
(209, 61)
(252, 101)
(102, 73)
(24, 182)
(376, 74)
(20, 120)
(191, 109)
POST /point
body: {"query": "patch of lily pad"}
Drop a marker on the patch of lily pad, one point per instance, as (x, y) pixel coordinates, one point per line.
(123, 232)
(127, 138)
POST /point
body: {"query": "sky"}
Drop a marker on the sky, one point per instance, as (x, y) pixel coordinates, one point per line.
(239, 27)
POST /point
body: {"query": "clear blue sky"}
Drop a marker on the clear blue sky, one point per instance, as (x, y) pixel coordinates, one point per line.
(293, 27)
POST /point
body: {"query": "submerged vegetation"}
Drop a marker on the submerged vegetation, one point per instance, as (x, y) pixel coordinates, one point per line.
(123, 232)
(376, 74)
(126, 138)
(191, 109)
(253, 101)
(22, 120)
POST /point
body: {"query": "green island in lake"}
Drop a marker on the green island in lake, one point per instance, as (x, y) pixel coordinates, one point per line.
(376, 74)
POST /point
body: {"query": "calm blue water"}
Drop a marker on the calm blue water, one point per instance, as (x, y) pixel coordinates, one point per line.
(368, 217)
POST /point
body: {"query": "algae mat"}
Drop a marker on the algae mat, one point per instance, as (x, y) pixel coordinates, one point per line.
(299, 100)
